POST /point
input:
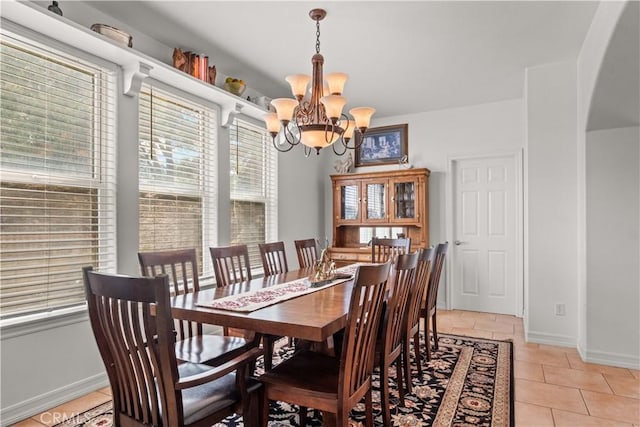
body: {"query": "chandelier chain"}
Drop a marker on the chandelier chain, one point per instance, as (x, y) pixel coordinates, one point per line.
(317, 36)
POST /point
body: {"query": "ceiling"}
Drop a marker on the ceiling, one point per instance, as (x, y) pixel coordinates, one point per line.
(401, 57)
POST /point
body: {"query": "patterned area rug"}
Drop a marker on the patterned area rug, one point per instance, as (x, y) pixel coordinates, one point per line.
(469, 382)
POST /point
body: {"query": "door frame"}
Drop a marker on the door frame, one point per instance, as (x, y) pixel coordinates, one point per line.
(517, 156)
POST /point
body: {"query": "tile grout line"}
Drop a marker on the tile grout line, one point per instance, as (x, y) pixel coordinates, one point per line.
(613, 392)
(585, 402)
(553, 416)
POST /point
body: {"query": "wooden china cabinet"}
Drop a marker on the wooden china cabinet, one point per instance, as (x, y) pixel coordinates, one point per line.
(378, 204)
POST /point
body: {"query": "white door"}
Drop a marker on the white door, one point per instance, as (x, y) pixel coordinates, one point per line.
(485, 255)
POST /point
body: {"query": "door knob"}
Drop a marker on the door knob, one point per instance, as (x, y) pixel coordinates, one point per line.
(458, 243)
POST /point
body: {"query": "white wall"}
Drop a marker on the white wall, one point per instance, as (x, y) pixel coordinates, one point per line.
(300, 199)
(613, 246)
(46, 364)
(436, 136)
(589, 64)
(551, 203)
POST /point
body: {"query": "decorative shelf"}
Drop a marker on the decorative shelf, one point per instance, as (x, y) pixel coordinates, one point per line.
(136, 65)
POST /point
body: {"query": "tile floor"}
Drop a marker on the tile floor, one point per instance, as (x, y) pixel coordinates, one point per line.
(553, 386)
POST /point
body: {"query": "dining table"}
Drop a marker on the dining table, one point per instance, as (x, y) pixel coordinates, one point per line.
(314, 316)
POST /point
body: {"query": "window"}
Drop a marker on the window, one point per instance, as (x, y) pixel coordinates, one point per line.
(176, 174)
(254, 198)
(57, 183)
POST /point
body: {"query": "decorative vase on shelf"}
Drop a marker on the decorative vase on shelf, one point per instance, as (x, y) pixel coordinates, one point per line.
(53, 7)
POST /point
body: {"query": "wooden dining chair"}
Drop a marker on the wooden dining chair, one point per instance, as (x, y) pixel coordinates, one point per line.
(416, 300)
(274, 258)
(133, 327)
(274, 261)
(330, 384)
(307, 251)
(192, 345)
(391, 337)
(383, 249)
(431, 299)
(230, 266)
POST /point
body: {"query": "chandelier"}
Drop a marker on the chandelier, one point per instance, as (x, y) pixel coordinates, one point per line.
(316, 121)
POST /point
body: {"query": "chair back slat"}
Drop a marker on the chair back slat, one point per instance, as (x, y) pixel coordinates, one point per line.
(307, 252)
(181, 268)
(362, 326)
(126, 333)
(231, 264)
(434, 281)
(402, 278)
(274, 258)
(384, 249)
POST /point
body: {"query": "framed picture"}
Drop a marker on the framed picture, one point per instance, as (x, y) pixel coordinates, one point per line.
(383, 146)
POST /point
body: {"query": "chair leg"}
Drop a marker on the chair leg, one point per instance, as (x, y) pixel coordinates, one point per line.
(329, 420)
(303, 416)
(416, 351)
(384, 394)
(265, 409)
(427, 338)
(267, 344)
(434, 325)
(253, 411)
(368, 405)
(399, 368)
(407, 365)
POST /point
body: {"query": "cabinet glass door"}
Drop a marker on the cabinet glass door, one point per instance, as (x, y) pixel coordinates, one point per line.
(376, 201)
(404, 200)
(349, 202)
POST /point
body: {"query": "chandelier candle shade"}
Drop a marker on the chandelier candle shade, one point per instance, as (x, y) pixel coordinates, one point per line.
(316, 121)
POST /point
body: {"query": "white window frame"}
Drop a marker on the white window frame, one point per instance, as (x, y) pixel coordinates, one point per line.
(270, 198)
(210, 194)
(20, 324)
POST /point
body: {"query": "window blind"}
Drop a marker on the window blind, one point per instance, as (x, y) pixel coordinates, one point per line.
(176, 174)
(57, 183)
(254, 188)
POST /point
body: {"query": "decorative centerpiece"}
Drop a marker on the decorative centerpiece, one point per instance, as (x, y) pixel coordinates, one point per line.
(324, 271)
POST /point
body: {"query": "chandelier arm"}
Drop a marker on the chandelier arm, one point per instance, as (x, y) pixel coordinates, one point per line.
(344, 119)
(333, 132)
(289, 137)
(356, 145)
(344, 144)
(307, 151)
(276, 146)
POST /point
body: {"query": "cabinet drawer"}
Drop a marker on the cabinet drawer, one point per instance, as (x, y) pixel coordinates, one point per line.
(364, 258)
(351, 256)
(344, 256)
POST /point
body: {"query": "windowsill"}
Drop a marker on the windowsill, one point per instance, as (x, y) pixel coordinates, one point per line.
(32, 323)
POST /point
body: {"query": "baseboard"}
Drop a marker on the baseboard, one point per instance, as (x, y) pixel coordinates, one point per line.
(28, 408)
(611, 359)
(550, 339)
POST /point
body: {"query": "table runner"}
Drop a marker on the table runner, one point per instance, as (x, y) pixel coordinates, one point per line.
(254, 300)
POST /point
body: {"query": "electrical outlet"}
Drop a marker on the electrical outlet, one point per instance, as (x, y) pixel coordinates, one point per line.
(561, 310)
